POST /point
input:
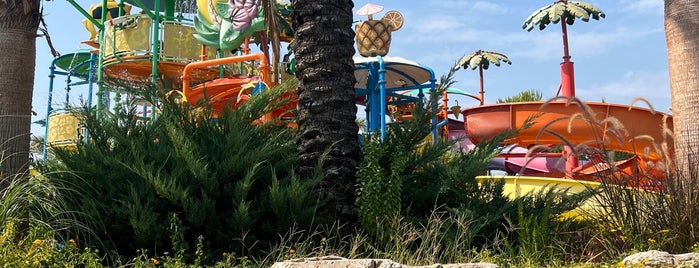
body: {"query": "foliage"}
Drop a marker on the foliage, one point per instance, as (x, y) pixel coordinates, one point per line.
(224, 178)
(379, 189)
(41, 248)
(649, 206)
(523, 96)
(38, 227)
(481, 58)
(562, 10)
(427, 178)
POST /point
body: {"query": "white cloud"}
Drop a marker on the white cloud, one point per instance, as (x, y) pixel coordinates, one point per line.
(549, 45)
(470, 6)
(438, 25)
(642, 6)
(653, 86)
(489, 7)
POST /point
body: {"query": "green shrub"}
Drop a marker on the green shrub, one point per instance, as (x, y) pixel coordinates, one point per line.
(524, 96)
(224, 178)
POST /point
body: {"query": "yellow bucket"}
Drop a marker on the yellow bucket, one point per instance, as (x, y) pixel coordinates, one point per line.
(63, 129)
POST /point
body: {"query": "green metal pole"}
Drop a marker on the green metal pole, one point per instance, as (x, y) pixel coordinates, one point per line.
(140, 5)
(87, 15)
(170, 10)
(155, 50)
(100, 62)
(155, 46)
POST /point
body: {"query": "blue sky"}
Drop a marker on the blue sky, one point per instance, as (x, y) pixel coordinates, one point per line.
(617, 59)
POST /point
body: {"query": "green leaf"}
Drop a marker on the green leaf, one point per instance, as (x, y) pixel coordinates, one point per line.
(557, 11)
(529, 22)
(475, 61)
(578, 12)
(464, 61)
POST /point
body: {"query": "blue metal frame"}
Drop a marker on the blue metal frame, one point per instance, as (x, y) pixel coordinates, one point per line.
(86, 80)
(376, 92)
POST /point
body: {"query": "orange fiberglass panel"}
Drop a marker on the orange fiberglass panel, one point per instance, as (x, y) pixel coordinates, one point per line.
(640, 125)
(139, 68)
(226, 91)
(221, 91)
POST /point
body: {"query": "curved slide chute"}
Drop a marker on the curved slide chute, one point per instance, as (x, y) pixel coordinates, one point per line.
(232, 90)
(640, 133)
(634, 130)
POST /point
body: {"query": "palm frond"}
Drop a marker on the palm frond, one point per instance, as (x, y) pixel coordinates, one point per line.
(562, 11)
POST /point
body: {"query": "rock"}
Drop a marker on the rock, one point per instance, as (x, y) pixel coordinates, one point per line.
(339, 262)
(655, 258)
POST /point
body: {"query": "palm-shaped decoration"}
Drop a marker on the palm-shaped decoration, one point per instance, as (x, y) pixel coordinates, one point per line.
(481, 59)
(568, 11)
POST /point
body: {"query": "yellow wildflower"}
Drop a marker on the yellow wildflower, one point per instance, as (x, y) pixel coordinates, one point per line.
(37, 242)
(72, 243)
(651, 240)
(155, 261)
(623, 238)
(292, 251)
(665, 231)
(620, 264)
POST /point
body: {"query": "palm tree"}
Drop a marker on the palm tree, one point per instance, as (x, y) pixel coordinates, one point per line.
(324, 46)
(682, 35)
(481, 59)
(19, 21)
(567, 11)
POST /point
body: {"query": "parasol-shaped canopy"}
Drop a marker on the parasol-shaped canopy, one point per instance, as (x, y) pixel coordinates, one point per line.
(369, 9)
(75, 63)
(399, 72)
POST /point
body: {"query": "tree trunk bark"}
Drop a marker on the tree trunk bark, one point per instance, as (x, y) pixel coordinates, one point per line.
(324, 46)
(682, 35)
(19, 20)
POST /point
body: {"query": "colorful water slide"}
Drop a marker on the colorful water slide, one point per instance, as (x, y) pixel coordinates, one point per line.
(223, 91)
(623, 128)
(515, 161)
(634, 130)
(233, 90)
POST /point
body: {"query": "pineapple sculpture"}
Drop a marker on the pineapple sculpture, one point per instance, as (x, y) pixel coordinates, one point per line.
(374, 36)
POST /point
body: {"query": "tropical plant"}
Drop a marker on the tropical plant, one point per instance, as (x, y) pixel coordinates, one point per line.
(323, 46)
(19, 21)
(226, 178)
(527, 95)
(481, 59)
(565, 11)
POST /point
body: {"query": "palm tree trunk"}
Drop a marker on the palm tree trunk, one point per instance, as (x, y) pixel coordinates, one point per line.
(682, 35)
(19, 20)
(324, 46)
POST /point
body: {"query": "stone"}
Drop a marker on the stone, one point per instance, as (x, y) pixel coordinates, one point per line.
(655, 258)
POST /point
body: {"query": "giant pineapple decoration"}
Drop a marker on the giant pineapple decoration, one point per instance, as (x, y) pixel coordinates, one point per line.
(374, 36)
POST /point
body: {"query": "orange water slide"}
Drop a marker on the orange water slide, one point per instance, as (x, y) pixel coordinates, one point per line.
(222, 89)
(640, 132)
(233, 90)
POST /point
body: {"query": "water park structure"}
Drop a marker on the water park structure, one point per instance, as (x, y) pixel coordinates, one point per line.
(204, 55)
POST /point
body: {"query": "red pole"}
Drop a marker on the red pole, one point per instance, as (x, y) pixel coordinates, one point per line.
(567, 79)
(567, 72)
(482, 92)
(568, 90)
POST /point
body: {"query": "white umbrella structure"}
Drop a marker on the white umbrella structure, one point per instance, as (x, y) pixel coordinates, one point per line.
(369, 9)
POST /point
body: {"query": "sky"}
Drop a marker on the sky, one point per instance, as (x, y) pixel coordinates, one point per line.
(617, 59)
